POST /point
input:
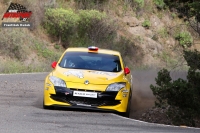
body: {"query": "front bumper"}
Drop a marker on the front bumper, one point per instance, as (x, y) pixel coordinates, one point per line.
(66, 95)
(63, 97)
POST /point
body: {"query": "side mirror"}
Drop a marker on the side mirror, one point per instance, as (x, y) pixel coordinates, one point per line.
(126, 70)
(53, 65)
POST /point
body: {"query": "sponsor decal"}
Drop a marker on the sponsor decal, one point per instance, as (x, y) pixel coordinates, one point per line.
(104, 73)
(47, 84)
(16, 10)
(124, 95)
(76, 73)
(66, 93)
(125, 91)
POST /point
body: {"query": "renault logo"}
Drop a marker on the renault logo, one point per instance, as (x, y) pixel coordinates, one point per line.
(86, 82)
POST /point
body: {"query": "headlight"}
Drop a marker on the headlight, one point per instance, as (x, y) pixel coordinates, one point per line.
(115, 86)
(57, 81)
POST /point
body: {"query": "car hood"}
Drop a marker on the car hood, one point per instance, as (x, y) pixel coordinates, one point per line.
(94, 77)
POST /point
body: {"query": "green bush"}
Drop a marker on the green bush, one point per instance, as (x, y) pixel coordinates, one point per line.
(146, 24)
(87, 19)
(87, 15)
(56, 46)
(140, 3)
(173, 15)
(61, 22)
(81, 28)
(193, 59)
(94, 28)
(159, 3)
(183, 96)
(185, 39)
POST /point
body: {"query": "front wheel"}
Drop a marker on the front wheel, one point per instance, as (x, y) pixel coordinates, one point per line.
(128, 109)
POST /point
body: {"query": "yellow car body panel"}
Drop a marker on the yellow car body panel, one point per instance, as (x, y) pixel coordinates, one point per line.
(98, 82)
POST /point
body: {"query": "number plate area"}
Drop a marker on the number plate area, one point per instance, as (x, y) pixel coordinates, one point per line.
(85, 94)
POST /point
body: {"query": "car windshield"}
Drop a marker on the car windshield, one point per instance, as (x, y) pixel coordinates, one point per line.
(91, 61)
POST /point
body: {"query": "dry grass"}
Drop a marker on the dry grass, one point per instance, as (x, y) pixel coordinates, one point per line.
(14, 43)
(16, 66)
(19, 45)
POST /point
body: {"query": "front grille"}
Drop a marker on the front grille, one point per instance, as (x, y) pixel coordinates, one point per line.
(85, 101)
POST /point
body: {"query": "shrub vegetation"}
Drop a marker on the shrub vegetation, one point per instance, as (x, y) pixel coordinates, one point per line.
(146, 24)
(60, 22)
(185, 39)
(68, 25)
(182, 96)
(84, 28)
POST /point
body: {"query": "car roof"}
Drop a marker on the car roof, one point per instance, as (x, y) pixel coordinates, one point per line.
(103, 51)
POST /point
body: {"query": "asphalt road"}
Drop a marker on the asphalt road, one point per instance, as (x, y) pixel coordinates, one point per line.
(21, 112)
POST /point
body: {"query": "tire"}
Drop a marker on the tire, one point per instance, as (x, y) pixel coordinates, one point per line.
(127, 113)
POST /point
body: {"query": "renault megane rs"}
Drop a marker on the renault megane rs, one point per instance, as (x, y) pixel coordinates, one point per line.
(89, 78)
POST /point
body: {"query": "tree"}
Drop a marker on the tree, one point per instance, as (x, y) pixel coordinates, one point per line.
(182, 96)
(190, 9)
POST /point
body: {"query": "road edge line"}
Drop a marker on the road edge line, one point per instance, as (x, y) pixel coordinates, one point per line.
(153, 123)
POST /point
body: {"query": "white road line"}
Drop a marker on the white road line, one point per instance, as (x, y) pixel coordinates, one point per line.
(152, 123)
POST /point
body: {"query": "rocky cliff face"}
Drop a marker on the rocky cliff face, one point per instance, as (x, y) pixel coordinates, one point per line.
(155, 32)
(150, 47)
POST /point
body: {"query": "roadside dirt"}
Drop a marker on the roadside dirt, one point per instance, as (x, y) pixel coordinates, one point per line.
(142, 96)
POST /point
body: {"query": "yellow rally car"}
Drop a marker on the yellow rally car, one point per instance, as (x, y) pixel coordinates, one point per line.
(89, 78)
